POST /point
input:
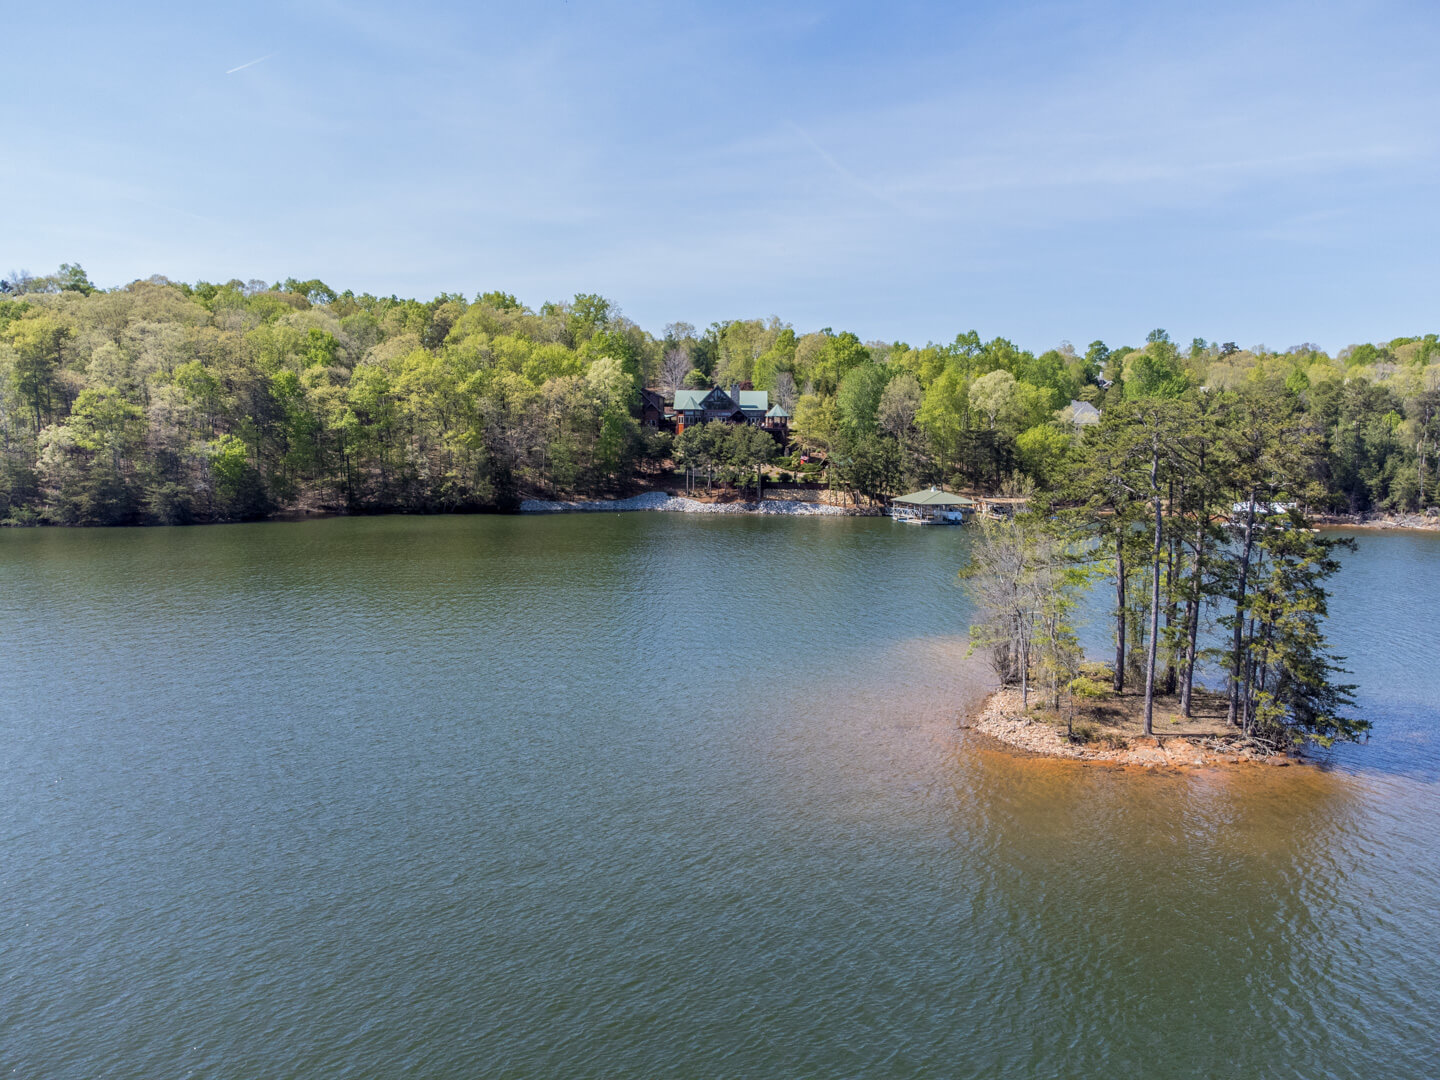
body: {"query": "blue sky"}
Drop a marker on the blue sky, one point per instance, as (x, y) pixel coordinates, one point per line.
(1259, 172)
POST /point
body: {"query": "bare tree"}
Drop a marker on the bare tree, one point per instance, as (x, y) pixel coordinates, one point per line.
(899, 404)
(996, 581)
(21, 282)
(785, 393)
(1024, 580)
(674, 366)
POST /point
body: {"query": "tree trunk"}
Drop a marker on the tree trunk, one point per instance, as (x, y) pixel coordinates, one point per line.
(1154, 592)
(1193, 624)
(1232, 715)
(1119, 608)
(1171, 563)
(1420, 457)
(1248, 714)
(1025, 675)
(1265, 666)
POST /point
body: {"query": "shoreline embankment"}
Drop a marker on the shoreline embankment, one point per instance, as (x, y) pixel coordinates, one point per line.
(1378, 522)
(664, 502)
(1002, 718)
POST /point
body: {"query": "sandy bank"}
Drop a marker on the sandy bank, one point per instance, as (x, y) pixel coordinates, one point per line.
(1001, 718)
(659, 500)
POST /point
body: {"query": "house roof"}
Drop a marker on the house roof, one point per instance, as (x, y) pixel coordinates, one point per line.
(777, 413)
(695, 399)
(933, 497)
(1082, 412)
(751, 401)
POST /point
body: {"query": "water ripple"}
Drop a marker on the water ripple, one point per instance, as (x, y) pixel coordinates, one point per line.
(657, 795)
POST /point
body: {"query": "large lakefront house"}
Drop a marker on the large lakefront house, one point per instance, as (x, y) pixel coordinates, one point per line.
(735, 406)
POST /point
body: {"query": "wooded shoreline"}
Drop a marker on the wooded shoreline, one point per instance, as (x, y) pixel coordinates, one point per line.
(165, 402)
(1379, 524)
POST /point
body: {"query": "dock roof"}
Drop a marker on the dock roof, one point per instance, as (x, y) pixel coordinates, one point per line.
(933, 497)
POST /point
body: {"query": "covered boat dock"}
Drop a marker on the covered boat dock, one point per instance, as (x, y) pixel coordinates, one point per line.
(930, 507)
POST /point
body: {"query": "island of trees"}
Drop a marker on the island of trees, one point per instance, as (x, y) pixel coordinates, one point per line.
(1188, 505)
(167, 402)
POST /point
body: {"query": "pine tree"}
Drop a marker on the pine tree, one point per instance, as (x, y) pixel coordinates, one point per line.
(1290, 689)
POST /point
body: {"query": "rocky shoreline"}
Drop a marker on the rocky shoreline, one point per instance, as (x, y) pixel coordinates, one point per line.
(662, 501)
(1429, 522)
(1002, 718)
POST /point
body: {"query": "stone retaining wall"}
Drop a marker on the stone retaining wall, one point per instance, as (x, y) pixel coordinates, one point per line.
(658, 500)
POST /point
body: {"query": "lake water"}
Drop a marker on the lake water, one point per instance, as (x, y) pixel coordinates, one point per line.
(660, 795)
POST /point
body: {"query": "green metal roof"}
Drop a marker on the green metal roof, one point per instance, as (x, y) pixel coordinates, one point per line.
(933, 497)
(689, 399)
(750, 400)
(777, 413)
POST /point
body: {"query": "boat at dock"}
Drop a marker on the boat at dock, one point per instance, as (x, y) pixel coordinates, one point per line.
(931, 507)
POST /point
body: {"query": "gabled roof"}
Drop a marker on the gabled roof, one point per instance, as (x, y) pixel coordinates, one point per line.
(933, 497)
(754, 400)
(777, 413)
(695, 399)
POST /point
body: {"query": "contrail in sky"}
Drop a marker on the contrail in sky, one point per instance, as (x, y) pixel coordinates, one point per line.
(869, 189)
(252, 63)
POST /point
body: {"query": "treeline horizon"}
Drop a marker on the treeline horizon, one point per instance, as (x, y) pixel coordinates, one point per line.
(166, 402)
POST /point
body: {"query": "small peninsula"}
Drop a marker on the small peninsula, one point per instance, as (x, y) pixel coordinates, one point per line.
(1110, 731)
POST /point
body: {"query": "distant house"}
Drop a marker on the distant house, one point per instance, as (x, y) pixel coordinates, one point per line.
(653, 410)
(1266, 515)
(1081, 413)
(735, 407)
(702, 406)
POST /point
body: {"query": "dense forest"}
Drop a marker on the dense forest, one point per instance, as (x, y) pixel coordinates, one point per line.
(166, 402)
